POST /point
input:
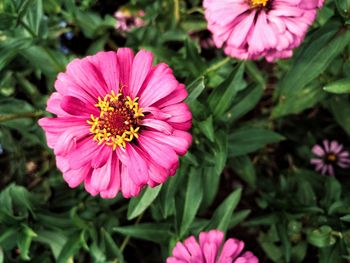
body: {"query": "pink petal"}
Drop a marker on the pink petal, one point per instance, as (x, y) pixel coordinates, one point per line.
(107, 63)
(125, 59)
(114, 185)
(141, 66)
(137, 166)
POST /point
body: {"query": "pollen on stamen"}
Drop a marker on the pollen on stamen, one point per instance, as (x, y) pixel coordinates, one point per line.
(258, 3)
(118, 121)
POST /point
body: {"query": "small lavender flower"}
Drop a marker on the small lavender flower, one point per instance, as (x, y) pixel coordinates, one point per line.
(128, 20)
(328, 155)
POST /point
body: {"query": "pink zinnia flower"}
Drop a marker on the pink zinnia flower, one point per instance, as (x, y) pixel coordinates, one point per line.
(211, 250)
(127, 20)
(121, 122)
(330, 155)
(250, 29)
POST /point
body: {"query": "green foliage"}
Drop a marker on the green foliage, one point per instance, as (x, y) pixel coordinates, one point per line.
(247, 172)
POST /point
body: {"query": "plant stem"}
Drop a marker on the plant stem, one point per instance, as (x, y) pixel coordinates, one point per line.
(20, 115)
(177, 10)
(127, 238)
(217, 65)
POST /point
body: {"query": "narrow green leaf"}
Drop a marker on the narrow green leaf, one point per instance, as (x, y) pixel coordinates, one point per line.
(207, 127)
(221, 98)
(195, 89)
(157, 232)
(247, 139)
(244, 168)
(245, 101)
(340, 108)
(54, 239)
(73, 244)
(315, 57)
(194, 195)
(222, 215)
(339, 87)
(111, 246)
(139, 204)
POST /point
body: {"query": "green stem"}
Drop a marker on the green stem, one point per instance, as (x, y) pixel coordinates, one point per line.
(177, 10)
(20, 115)
(127, 238)
(217, 65)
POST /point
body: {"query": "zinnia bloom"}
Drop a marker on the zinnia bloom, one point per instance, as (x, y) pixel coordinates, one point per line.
(250, 29)
(127, 20)
(211, 249)
(329, 155)
(121, 122)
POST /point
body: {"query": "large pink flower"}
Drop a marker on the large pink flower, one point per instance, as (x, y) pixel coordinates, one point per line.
(121, 123)
(250, 29)
(211, 250)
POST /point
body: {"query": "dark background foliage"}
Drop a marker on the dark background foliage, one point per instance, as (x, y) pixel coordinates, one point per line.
(247, 172)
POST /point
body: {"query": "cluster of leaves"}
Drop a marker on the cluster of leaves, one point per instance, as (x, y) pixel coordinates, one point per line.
(254, 124)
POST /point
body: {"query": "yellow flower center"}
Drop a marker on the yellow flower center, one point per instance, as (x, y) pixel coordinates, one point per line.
(331, 157)
(259, 3)
(118, 122)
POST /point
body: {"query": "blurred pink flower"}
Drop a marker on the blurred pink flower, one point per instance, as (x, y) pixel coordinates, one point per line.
(328, 155)
(121, 122)
(211, 249)
(128, 20)
(250, 29)
(204, 37)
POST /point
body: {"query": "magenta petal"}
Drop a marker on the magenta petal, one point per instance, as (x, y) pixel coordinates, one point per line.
(158, 125)
(141, 66)
(107, 63)
(137, 166)
(129, 188)
(76, 177)
(114, 185)
(317, 150)
(125, 59)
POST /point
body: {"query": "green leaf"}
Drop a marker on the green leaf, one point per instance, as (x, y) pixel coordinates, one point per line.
(54, 239)
(246, 140)
(207, 127)
(314, 58)
(244, 168)
(245, 101)
(222, 215)
(23, 7)
(321, 237)
(158, 232)
(139, 204)
(345, 218)
(195, 89)
(34, 15)
(24, 241)
(339, 87)
(297, 100)
(1, 255)
(11, 47)
(73, 244)
(194, 195)
(340, 108)
(221, 98)
(238, 217)
(7, 21)
(212, 174)
(111, 247)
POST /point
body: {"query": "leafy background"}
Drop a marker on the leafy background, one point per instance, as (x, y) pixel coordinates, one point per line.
(247, 172)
